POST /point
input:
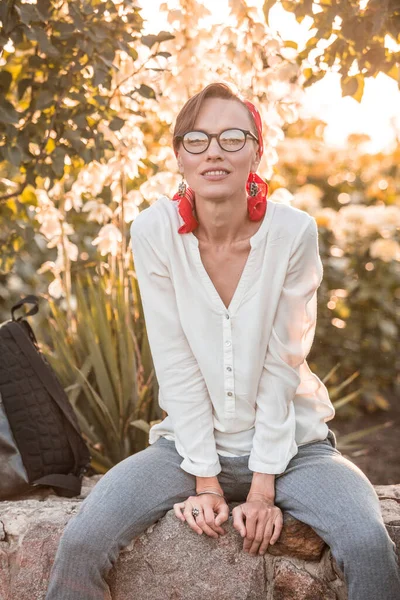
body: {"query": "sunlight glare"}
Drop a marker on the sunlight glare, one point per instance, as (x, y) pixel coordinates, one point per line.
(377, 115)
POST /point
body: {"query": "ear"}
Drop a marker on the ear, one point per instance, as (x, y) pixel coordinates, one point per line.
(255, 162)
(180, 165)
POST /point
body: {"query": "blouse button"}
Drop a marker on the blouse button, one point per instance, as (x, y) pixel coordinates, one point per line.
(230, 394)
(227, 343)
(227, 316)
(229, 368)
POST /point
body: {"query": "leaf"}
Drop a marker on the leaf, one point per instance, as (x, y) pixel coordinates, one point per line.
(14, 156)
(353, 86)
(100, 73)
(8, 114)
(5, 81)
(150, 40)
(44, 43)
(57, 161)
(141, 424)
(116, 124)
(12, 205)
(290, 44)
(28, 196)
(394, 72)
(44, 99)
(146, 91)
(345, 440)
(23, 85)
(28, 13)
(65, 30)
(50, 146)
(268, 4)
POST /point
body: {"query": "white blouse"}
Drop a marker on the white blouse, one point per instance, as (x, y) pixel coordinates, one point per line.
(233, 381)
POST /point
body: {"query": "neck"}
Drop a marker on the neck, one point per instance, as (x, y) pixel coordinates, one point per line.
(223, 221)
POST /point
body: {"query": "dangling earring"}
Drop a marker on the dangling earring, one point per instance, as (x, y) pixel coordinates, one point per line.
(257, 190)
(185, 198)
(182, 188)
(253, 189)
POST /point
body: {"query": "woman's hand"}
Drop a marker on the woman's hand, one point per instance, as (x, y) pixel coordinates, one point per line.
(260, 522)
(207, 521)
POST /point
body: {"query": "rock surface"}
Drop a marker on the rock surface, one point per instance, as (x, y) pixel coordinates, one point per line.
(171, 562)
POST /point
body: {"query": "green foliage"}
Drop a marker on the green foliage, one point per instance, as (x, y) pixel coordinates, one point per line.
(347, 442)
(100, 352)
(355, 39)
(354, 199)
(56, 91)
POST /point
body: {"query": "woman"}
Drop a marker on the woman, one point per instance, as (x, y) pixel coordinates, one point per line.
(228, 282)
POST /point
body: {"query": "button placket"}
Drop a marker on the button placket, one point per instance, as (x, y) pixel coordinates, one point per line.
(229, 383)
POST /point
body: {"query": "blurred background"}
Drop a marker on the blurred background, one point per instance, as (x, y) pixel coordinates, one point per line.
(89, 91)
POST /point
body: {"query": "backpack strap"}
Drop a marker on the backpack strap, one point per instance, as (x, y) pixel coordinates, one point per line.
(65, 485)
(31, 299)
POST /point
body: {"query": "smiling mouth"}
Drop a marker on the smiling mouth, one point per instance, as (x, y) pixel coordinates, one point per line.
(216, 172)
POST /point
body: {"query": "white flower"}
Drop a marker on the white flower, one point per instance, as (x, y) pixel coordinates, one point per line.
(50, 218)
(56, 289)
(308, 198)
(325, 217)
(161, 184)
(64, 230)
(353, 223)
(98, 211)
(92, 177)
(288, 112)
(386, 250)
(108, 240)
(73, 199)
(49, 265)
(282, 195)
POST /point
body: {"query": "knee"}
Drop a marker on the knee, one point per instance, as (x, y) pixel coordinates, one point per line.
(79, 540)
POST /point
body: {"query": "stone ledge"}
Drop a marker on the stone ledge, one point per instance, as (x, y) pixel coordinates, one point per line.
(170, 562)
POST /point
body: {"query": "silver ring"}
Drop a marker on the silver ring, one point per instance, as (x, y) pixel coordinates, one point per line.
(195, 512)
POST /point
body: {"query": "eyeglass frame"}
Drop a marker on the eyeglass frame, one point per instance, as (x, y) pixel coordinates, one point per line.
(210, 136)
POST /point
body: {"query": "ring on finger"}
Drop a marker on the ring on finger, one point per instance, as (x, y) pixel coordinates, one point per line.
(195, 512)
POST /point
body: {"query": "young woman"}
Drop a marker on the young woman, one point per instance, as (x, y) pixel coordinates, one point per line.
(228, 282)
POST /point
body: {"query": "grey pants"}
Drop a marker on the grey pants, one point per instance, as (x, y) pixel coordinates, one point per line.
(319, 487)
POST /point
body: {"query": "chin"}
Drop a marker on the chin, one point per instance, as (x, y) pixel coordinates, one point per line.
(217, 193)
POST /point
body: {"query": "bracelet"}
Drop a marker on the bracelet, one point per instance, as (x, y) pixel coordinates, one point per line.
(210, 492)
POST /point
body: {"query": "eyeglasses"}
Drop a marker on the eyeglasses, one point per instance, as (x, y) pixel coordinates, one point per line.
(230, 140)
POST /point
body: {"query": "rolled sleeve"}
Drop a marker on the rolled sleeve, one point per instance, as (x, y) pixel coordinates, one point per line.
(183, 393)
(290, 342)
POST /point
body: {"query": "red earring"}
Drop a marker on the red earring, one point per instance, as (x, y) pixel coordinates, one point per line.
(257, 190)
(185, 199)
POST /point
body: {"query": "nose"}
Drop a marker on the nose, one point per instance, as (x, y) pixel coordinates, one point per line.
(214, 150)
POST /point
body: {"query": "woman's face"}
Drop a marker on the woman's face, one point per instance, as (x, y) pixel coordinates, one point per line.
(201, 170)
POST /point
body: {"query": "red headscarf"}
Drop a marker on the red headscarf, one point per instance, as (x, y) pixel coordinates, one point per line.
(256, 204)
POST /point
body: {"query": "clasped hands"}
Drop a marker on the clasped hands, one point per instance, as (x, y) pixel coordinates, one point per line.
(258, 520)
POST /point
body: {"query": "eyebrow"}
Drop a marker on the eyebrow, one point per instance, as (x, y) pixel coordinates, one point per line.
(220, 131)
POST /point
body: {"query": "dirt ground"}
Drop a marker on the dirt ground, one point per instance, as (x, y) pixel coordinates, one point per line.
(379, 457)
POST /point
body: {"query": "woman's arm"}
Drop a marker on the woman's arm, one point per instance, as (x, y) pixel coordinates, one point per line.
(290, 342)
(205, 484)
(184, 393)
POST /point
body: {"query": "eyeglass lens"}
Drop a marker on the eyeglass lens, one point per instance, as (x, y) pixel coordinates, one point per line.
(230, 140)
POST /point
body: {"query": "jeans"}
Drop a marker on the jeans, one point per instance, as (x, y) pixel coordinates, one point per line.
(319, 487)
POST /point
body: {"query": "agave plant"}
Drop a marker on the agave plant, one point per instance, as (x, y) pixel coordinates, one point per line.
(102, 357)
(347, 442)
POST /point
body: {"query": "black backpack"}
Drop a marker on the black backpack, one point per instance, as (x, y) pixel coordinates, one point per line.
(40, 440)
